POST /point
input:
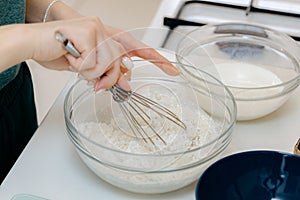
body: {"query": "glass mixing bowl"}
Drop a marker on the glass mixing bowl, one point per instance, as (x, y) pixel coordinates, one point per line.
(96, 127)
(260, 66)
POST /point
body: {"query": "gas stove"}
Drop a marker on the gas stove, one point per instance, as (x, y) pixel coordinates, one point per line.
(283, 16)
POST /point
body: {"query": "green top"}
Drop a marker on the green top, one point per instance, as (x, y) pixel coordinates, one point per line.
(11, 12)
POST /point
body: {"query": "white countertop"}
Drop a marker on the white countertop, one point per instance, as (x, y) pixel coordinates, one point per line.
(50, 167)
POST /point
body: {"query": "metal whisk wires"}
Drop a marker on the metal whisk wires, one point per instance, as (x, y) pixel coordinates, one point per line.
(133, 107)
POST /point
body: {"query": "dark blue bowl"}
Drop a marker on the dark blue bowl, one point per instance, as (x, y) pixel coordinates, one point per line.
(255, 175)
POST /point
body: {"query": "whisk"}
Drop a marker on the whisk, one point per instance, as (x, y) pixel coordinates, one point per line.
(133, 106)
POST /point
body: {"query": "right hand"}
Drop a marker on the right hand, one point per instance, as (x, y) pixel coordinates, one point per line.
(100, 54)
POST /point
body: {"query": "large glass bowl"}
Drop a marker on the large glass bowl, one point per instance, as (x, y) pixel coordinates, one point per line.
(95, 125)
(260, 66)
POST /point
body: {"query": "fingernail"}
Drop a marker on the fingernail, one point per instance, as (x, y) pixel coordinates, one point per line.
(127, 62)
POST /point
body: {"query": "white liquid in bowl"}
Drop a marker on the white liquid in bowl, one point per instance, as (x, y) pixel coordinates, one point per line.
(241, 77)
(246, 75)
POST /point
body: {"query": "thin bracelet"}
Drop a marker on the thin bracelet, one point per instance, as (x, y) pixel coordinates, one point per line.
(48, 9)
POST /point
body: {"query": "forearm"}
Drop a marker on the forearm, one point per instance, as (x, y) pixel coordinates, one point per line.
(35, 11)
(14, 49)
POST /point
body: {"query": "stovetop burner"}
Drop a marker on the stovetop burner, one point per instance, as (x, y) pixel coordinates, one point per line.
(283, 16)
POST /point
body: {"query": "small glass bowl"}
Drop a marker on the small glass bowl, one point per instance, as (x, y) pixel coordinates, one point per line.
(94, 127)
(260, 66)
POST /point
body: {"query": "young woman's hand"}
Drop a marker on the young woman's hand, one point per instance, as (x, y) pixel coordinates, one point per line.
(99, 54)
(101, 48)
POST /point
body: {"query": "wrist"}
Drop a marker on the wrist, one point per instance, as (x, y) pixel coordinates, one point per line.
(60, 11)
(48, 9)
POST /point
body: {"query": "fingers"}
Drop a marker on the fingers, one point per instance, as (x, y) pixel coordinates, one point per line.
(123, 82)
(109, 78)
(139, 49)
(98, 54)
(85, 62)
(105, 74)
(151, 54)
(108, 52)
(83, 34)
(119, 73)
(106, 57)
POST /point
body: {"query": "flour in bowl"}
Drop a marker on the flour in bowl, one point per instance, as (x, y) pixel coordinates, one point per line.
(115, 133)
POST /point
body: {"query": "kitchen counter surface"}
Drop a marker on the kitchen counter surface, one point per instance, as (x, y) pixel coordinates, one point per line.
(49, 167)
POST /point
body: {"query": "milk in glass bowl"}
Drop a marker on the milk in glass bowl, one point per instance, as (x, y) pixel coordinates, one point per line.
(260, 66)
